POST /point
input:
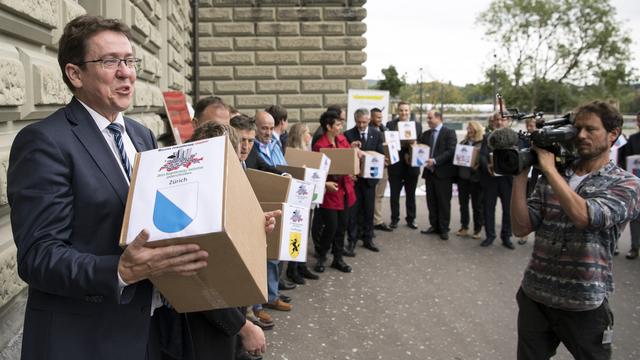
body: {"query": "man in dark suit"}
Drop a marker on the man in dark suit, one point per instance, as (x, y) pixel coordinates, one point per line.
(402, 174)
(439, 173)
(366, 138)
(68, 180)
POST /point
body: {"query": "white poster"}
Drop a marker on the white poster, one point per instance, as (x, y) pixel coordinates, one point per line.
(373, 165)
(407, 130)
(393, 151)
(300, 193)
(391, 136)
(463, 155)
(295, 225)
(366, 99)
(317, 178)
(178, 191)
(419, 155)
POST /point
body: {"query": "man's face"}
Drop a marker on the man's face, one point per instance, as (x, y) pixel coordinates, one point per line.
(404, 112)
(362, 122)
(592, 139)
(343, 116)
(531, 126)
(432, 120)
(106, 91)
(376, 119)
(285, 124)
(500, 122)
(246, 143)
(215, 113)
(265, 124)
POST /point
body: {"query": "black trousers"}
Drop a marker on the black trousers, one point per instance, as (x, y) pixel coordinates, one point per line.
(332, 234)
(470, 190)
(361, 213)
(541, 329)
(402, 175)
(494, 188)
(439, 202)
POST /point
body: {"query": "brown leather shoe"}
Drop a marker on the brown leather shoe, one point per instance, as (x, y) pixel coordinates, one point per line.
(632, 254)
(278, 305)
(263, 316)
(462, 232)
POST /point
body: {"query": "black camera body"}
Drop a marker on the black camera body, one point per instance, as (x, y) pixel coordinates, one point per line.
(556, 136)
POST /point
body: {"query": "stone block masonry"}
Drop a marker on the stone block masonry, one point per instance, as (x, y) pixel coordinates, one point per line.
(301, 55)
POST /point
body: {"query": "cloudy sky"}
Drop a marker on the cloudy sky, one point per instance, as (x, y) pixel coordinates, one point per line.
(441, 37)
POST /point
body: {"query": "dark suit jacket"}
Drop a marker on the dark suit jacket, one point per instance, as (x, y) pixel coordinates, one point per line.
(442, 153)
(67, 196)
(405, 149)
(214, 333)
(373, 143)
(255, 161)
(283, 141)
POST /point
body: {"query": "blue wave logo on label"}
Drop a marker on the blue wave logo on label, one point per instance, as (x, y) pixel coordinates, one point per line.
(175, 207)
(373, 171)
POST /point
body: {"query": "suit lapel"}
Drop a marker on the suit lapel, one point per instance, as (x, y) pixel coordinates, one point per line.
(136, 139)
(87, 132)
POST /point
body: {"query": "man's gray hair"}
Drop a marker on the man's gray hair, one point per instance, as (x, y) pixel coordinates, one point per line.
(360, 112)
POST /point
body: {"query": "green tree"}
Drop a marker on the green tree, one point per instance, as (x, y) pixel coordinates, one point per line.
(557, 41)
(391, 82)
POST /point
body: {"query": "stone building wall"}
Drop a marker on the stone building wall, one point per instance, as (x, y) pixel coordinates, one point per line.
(301, 54)
(31, 87)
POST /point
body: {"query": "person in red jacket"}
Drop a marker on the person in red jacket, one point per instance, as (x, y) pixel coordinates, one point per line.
(338, 198)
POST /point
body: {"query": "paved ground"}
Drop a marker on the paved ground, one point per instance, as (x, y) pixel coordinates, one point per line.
(423, 298)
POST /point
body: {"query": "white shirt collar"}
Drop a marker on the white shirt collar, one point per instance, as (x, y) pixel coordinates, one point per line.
(438, 128)
(102, 121)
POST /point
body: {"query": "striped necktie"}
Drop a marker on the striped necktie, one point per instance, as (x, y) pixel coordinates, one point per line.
(116, 130)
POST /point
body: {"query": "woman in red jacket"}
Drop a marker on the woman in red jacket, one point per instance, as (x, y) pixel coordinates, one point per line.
(338, 198)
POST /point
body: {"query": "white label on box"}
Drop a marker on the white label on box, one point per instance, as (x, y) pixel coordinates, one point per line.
(463, 155)
(407, 130)
(394, 153)
(317, 178)
(633, 165)
(178, 191)
(326, 164)
(392, 137)
(373, 166)
(300, 193)
(419, 155)
(295, 229)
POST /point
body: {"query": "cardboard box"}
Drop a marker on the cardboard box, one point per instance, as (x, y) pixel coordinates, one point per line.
(288, 240)
(310, 159)
(407, 130)
(465, 155)
(343, 161)
(316, 177)
(372, 165)
(633, 164)
(419, 155)
(270, 187)
(391, 152)
(198, 193)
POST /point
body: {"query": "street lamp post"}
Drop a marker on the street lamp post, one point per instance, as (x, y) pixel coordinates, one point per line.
(421, 96)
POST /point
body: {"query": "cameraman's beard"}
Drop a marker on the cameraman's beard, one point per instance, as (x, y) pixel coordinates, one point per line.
(593, 153)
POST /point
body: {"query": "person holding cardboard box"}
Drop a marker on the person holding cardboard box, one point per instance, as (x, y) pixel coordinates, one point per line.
(366, 138)
(632, 148)
(469, 184)
(402, 174)
(439, 173)
(378, 224)
(339, 197)
(67, 185)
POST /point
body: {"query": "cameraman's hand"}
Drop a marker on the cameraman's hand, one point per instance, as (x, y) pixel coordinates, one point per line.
(546, 160)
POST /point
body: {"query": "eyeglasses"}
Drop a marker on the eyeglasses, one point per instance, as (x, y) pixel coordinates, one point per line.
(114, 63)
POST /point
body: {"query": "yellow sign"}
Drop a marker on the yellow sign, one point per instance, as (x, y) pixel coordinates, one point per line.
(368, 97)
(295, 239)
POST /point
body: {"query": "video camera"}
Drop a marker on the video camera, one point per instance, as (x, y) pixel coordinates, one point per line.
(555, 136)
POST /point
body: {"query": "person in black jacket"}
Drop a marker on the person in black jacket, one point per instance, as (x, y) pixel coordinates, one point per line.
(632, 147)
(402, 174)
(366, 138)
(439, 173)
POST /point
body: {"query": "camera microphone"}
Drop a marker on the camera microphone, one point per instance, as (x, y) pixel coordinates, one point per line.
(504, 138)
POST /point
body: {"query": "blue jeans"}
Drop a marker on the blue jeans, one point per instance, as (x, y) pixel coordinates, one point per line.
(273, 275)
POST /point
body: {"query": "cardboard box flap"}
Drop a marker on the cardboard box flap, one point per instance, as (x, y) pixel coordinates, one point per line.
(269, 187)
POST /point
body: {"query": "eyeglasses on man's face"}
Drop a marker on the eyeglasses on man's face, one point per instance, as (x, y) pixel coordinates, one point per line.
(114, 63)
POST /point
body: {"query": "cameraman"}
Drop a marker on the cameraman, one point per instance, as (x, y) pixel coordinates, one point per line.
(578, 217)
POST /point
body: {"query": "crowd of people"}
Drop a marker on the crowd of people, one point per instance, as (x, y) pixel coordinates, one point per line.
(69, 176)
